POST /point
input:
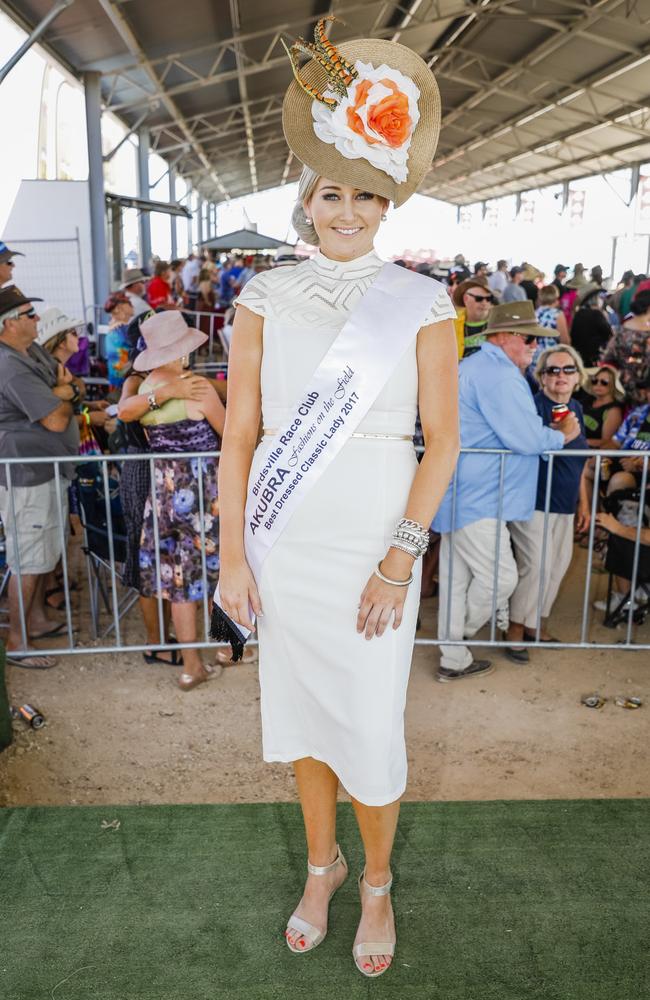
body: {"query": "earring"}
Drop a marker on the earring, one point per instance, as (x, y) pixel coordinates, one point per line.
(383, 217)
(308, 221)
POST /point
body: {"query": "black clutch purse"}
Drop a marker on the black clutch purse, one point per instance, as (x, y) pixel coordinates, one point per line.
(224, 629)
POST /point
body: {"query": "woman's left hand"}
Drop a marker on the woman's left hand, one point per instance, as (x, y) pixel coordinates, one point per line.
(583, 519)
(608, 522)
(379, 603)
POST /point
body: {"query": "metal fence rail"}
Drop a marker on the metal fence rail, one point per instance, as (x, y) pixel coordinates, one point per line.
(106, 610)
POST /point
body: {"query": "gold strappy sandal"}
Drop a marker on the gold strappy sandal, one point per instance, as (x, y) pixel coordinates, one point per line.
(307, 930)
(367, 948)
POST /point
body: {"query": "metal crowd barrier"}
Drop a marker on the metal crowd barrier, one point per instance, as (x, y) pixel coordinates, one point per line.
(107, 595)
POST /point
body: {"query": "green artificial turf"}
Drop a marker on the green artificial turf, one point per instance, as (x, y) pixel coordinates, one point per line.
(494, 901)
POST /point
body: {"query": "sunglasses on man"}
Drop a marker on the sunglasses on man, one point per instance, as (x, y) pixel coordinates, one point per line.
(528, 338)
(564, 370)
(479, 298)
(17, 314)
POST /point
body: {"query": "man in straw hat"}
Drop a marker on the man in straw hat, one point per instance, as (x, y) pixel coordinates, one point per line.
(496, 411)
(134, 285)
(339, 585)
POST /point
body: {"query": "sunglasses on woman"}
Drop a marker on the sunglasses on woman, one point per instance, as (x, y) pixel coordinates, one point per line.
(557, 370)
(600, 381)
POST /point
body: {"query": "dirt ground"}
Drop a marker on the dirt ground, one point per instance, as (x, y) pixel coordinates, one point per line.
(119, 731)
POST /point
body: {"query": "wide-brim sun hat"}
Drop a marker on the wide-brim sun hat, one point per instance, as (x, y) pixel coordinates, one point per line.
(464, 286)
(168, 338)
(386, 91)
(619, 391)
(54, 321)
(591, 288)
(132, 276)
(516, 317)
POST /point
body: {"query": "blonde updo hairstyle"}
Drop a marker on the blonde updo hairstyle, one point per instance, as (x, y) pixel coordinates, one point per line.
(306, 187)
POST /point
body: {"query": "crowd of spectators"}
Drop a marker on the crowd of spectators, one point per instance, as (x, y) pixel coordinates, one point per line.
(526, 345)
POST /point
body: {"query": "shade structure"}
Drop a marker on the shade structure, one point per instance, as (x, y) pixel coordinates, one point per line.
(531, 94)
(243, 239)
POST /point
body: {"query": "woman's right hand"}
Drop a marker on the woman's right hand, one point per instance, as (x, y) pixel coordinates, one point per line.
(238, 592)
(193, 387)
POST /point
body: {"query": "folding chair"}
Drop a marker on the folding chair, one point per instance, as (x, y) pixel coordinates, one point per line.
(96, 546)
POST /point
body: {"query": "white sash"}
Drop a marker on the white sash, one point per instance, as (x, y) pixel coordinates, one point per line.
(333, 403)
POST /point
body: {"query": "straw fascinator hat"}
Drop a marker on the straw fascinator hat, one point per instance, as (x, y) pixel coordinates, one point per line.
(168, 338)
(366, 113)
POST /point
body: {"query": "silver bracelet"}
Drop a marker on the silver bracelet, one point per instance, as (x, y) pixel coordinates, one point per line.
(420, 543)
(394, 583)
(412, 526)
(411, 550)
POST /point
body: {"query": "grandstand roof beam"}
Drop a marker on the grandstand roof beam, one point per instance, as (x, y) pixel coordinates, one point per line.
(243, 92)
(33, 37)
(126, 34)
(268, 62)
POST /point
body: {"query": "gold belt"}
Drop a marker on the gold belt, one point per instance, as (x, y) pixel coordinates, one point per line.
(360, 434)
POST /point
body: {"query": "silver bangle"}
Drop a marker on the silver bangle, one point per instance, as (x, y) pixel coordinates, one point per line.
(412, 532)
(394, 583)
(417, 541)
(412, 526)
(411, 550)
(420, 543)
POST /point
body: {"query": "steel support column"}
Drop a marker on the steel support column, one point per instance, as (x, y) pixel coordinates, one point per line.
(33, 37)
(117, 242)
(190, 225)
(199, 220)
(144, 192)
(172, 218)
(96, 186)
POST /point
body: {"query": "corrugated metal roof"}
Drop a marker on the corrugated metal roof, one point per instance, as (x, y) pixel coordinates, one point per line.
(534, 91)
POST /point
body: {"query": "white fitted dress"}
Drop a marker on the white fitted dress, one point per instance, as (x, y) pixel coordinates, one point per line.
(326, 691)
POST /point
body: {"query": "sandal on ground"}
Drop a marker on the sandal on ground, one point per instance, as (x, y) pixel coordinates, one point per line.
(308, 931)
(32, 662)
(55, 630)
(367, 948)
(175, 661)
(224, 657)
(58, 605)
(187, 682)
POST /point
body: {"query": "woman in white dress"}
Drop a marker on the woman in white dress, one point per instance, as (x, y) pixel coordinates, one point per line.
(337, 598)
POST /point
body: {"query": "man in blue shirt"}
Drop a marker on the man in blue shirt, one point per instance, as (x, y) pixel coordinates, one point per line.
(496, 411)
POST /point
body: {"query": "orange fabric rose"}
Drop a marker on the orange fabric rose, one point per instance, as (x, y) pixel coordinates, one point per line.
(389, 118)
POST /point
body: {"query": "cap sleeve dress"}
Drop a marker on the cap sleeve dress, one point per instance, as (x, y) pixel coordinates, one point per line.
(326, 692)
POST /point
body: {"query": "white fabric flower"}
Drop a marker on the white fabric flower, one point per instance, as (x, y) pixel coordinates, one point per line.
(375, 121)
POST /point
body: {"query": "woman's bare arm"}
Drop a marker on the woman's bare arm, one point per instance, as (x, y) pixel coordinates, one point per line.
(611, 423)
(212, 408)
(438, 404)
(562, 328)
(133, 405)
(236, 583)
(437, 357)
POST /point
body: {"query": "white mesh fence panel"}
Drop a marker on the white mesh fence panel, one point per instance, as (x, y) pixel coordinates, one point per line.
(52, 270)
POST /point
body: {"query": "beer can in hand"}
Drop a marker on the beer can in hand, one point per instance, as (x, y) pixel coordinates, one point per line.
(559, 412)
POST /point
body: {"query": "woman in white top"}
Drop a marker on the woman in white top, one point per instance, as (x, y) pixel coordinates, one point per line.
(335, 637)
